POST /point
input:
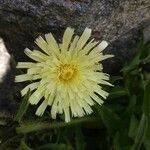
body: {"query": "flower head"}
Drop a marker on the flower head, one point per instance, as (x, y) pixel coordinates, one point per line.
(67, 76)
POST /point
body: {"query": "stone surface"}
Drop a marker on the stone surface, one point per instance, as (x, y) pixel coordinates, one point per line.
(146, 31)
(117, 21)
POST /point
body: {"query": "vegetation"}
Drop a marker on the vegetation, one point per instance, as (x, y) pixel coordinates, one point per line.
(122, 123)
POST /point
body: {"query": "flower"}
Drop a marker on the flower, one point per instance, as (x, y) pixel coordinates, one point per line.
(68, 76)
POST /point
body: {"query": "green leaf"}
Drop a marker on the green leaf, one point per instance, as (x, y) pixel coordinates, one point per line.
(24, 146)
(117, 92)
(110, 119)
(131, 65)
(36, 126)
(54, 146)
(140, 133)
(130, 109)
(146, 103)
(23, 107)
(145, 50)
(133, 127)
(147, 144)
(135, 61)
(115, 78)
(116, 142)
(121, 140)
(80, 143)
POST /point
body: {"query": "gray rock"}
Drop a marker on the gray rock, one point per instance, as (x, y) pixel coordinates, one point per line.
(146, 31)
(117, 21)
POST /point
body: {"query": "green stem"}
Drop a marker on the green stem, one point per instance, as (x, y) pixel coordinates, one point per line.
(140, 133)
(35, 126)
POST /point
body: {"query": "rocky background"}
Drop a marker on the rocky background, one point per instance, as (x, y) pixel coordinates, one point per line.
(120, 22)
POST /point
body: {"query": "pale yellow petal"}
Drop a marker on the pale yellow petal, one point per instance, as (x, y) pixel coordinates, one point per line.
(101, 92)
(52, 88)
(41, 108)
(23, 77)
(26, 77)
(87, 108)
(103, 57)
(60, 108)
(102, 45)
(73, 110)
(88, 100)
(36, 96)
(25, 65)
(78, 109)
(99, 78)
(34, 70)
(50, 99)
(67, 114)
(74, 43)
(84, 38)
(42, 44)
(31, 86)
(67, 39)
(35, 77)
(54, 108)
(97, 98)
(40, 55)
(89, 46)
(53, 47)
(30, 54)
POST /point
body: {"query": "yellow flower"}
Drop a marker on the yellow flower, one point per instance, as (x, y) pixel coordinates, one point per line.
(68, 76)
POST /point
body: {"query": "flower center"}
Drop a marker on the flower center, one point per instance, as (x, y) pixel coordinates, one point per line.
(67, 72)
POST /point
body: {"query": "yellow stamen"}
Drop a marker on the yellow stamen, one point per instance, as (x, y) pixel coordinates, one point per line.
(67, 72)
